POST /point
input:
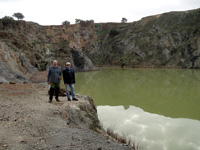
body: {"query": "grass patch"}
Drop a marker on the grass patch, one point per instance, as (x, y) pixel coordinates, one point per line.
(127, 141)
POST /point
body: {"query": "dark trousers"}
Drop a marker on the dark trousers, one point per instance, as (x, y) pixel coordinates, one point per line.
(55, 87)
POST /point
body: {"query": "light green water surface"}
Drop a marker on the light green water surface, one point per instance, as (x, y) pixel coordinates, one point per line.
(169, 92)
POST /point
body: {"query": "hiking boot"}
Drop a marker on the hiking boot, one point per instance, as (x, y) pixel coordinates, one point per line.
(75, 99)
(69, 99)
(50, 101)
(57, 100)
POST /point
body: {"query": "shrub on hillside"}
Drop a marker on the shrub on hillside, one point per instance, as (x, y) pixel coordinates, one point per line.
(113, 32)
(65, 23)
(7, 20)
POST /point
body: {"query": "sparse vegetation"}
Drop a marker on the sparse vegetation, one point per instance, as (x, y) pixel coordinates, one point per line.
(18, 15)
(64, 44)
(124, 20)
(145, 40)
(127, 141)
(66, 23)
(113, 32)
(83, 21)
(7, 20)
(77, 21)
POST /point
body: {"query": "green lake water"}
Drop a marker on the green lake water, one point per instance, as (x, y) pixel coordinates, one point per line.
(157, 109)
(170, 92)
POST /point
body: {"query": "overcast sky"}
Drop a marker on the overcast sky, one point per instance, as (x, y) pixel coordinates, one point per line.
(54, 12)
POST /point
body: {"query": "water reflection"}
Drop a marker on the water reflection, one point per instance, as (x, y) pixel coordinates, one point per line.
(151, 131)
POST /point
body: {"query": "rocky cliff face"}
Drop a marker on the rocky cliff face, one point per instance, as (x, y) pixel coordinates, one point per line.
(166, 40)
(26, 47)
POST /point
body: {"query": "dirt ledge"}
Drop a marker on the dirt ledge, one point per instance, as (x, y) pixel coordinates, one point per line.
(28, 121)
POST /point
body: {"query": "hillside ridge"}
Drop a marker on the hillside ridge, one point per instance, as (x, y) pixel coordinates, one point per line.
(168, 40)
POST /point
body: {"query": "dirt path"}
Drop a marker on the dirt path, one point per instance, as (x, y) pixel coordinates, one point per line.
(28, 121)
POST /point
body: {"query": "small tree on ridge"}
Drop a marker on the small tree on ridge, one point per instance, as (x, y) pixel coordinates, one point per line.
(124, 20)
(19, 16)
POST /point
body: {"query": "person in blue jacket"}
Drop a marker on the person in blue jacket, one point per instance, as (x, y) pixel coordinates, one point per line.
(69, 81)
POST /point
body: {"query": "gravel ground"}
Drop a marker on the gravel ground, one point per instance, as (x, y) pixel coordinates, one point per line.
(28, 121)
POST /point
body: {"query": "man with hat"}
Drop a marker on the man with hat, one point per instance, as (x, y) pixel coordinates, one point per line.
(69, 81)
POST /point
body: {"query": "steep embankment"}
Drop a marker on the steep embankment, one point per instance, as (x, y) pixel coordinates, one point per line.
(165, 40)
(28, 121)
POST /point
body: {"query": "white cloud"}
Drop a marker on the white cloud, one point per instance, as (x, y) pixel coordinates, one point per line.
(49, 12)
(151, 130)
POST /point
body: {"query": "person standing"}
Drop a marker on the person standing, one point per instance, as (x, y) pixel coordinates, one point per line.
(69, 81)
(53, 78)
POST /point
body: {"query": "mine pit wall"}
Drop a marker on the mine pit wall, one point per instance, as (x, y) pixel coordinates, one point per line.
(169, 40)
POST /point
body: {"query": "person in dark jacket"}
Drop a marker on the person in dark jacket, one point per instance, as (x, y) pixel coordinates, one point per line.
(53, 78)
(69, 81)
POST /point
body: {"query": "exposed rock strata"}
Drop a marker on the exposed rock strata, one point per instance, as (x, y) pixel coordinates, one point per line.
(165, 40)
(26, 47)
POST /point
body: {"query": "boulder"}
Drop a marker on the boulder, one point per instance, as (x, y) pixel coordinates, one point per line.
(61, 92)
